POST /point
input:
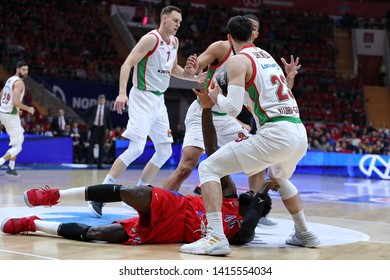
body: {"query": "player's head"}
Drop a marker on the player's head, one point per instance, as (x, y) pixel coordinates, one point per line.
(171, 18)
(240, 29)
(22, 69)
(255, 25)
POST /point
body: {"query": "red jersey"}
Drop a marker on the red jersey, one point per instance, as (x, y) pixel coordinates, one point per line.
(178, 219)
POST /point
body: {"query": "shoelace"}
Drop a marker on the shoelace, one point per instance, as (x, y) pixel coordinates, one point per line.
(203, 228)
(25, 223)
(47, 195)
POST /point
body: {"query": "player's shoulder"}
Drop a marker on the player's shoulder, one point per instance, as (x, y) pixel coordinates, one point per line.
(221, 44)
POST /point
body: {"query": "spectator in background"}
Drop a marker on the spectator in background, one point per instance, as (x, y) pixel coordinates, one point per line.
(78, 139)
(99, 124)
(383, 72)
(59, 123)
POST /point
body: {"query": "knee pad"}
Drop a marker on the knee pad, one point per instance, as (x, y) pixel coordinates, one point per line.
(287, 189)
(16, 144)
(162, 154)
(134, 150)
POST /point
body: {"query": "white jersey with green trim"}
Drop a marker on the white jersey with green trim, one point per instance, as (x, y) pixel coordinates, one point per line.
(7, 99)
(153, 72)
(216, 69)
(268, 96)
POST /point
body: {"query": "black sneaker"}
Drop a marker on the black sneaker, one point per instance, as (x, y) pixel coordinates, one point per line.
(12, 173)
(96, 208)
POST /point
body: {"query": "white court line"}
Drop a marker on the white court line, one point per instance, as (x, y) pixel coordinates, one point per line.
(30, 255)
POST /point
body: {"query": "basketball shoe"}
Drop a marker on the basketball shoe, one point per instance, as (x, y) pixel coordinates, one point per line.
(19, 225)
(264, 222)
(41, 197)
(96, 208)
(304, 239)
(212, 244)
(12, 173)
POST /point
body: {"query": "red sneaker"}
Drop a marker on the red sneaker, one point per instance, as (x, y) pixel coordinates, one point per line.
(19, 225)
(41, 197)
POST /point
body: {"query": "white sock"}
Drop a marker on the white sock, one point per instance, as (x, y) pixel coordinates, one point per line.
(74, 194)
(214, 219)
(141, 183)
(2, 161)
(47, 227)
(109, 180)
(299, 221)
(11, 164)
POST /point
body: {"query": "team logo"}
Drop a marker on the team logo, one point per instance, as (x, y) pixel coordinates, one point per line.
(373, 161)
(241, 135)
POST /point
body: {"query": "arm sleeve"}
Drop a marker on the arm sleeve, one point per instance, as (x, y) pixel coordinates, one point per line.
(232, 103)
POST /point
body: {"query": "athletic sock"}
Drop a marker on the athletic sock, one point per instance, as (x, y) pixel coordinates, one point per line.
(141, 183)
(299, 221)
(109, 180)
(214, 219)
(11, 164)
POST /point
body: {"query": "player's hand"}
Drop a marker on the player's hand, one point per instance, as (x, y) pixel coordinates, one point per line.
(120, 103)
(291, 68)
(214, 89)
(203, 96)
(201, 77)
(31, 110)
(191, 66)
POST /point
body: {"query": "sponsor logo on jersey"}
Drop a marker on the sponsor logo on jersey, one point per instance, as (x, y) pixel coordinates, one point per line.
(162, 71)
(229, 218)
(136, 240)
(135, 230)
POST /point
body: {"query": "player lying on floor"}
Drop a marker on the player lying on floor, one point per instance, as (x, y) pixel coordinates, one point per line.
(163, 216)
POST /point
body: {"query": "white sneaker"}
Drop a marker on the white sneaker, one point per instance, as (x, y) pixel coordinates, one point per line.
(304, 239)
(211, 244)
(264, 222)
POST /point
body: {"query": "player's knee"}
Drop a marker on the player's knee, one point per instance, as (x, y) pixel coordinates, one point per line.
(15, 150)
(207, 172)
(185, 171)
(162, 154)
(135, 194)
(287, 189)
(95, 233)
(132, 152)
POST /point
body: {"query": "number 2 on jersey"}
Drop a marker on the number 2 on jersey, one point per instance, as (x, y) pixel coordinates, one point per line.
(280, 91)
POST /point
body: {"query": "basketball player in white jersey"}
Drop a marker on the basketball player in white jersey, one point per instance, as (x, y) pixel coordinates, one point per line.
(11, 97)
(227, 127)
(256, 81)
(154, 59)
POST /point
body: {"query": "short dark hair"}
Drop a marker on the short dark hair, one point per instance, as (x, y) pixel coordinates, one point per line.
(169, 9)
(240, 28)
(20, 64)
(102, 96)
(252, 16)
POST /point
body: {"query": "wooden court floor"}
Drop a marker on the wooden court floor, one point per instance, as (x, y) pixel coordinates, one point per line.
(339, 209)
